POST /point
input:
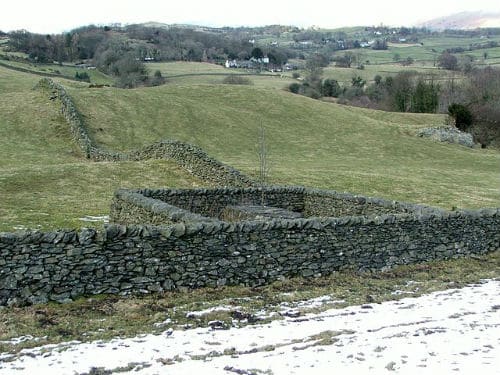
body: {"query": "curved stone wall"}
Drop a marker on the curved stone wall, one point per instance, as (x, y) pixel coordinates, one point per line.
(191, 250)
(191, 158)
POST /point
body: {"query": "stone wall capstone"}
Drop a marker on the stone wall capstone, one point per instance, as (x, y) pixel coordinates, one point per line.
(211, 203)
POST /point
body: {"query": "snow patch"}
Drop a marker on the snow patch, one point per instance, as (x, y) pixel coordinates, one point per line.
(200, 313)
(452, 331)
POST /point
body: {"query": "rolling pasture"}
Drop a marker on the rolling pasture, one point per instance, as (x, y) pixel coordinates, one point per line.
(46, 183)
(310, 142)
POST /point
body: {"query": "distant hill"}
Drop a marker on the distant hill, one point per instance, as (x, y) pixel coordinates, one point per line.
(464, 21)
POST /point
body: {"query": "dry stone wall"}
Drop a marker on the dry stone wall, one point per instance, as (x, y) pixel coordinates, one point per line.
(195, 252)
(211, 203)
(332, 203)
(191, 158)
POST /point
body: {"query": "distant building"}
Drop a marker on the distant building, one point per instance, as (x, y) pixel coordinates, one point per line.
(263, 60)
(246, 64)
(232, 64)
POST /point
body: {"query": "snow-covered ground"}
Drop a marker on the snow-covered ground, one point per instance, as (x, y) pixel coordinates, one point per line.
(452, 331)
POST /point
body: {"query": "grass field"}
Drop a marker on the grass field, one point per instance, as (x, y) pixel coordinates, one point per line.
(427, 53)
(310, 142)
(63, 70)
(344, 75)
(180, 68)
(194, 73)
(44, 181)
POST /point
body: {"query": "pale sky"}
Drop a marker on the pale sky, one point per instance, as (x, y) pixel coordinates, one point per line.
(55, 16)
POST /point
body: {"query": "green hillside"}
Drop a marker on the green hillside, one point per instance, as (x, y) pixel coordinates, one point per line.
(310, 142)
(44, 180)
(46, 183)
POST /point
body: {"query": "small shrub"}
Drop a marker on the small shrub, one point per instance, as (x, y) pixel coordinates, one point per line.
(84, 76)
(330, 87)
(157, 79)
(462, 115)
(352, 92)
(294, 87)
(296, 75)
(312, 92)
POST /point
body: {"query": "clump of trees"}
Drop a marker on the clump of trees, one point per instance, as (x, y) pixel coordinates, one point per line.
(481, 95)
(448, 61)
(118, 59)
(121, 51)
(331, 88)
(312, 85)
(407, 91)
(473, 102)
(345, 61)
(461, 115)
(380, 44)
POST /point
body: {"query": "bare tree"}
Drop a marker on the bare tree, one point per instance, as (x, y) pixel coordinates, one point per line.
(263, 160)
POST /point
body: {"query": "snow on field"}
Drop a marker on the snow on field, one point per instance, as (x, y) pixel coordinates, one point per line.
(452, 331)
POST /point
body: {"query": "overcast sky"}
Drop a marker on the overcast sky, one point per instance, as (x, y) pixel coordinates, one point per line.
(55, 16)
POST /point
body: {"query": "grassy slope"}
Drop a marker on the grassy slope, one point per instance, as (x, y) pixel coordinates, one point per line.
(310, 142)
(429, 51)
(64, 71)
(44, 181)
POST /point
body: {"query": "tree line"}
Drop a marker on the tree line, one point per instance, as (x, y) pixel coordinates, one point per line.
(122, 51)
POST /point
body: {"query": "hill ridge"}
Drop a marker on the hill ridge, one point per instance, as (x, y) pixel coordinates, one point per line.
(464, 21)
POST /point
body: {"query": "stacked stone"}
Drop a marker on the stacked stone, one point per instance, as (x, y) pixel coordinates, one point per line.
(448, 134)
(196, 251)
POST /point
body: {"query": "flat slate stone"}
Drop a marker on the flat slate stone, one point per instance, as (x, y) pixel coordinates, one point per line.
(256, 212)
